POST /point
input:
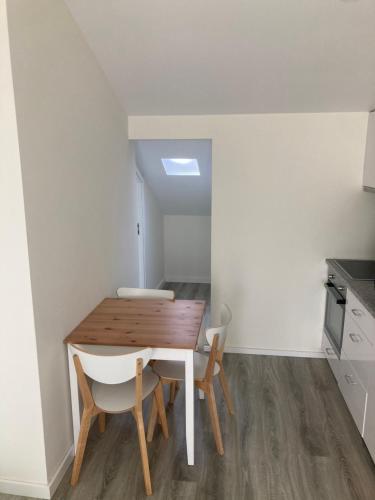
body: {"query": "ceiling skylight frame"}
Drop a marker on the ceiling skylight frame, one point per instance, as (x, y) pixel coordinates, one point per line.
(181, 166)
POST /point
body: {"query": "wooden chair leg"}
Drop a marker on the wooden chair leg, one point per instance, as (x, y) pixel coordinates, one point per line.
(172, 392)
(214, 418)
(225, 387)
(101, 422)
(143, 448)
(152, 420)
(82, 440)
(161, 410)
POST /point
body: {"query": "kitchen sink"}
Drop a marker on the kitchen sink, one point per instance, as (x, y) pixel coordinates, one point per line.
(358, 269)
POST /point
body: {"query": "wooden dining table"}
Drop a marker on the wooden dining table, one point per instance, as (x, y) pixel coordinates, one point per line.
(170, 328)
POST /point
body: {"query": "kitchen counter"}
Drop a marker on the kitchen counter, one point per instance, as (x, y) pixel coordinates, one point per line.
(363, 290)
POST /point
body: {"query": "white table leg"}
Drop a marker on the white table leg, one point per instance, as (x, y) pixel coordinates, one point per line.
(201, 394)
(74, 399)
(189, 405)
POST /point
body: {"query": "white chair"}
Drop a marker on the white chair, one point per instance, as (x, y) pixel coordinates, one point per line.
(145, 293)
(205, 368)
(119, 384)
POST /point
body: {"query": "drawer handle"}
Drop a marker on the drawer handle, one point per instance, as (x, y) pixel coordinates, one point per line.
(357, 312)
(330, 351)
(355, 338)
(349, 380)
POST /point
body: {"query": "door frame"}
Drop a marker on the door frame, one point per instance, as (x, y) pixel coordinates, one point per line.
(140, 228)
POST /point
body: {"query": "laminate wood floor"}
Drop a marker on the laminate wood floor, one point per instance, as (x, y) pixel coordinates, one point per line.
(292, 438)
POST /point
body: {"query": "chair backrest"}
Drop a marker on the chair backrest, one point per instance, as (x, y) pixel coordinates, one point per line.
(145, 293)
(110, 367)
(221, 330)
(225, 315)
(208, 376)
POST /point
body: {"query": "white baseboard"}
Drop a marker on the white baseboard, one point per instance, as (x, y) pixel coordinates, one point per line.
(38, 490)
(188, 279)
(24, 489)
(62, 468)
(272, 352)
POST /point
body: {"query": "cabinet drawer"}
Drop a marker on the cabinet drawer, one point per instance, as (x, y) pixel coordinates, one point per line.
(331, 357)
(353, 391)
(360, 315)
(359, 351)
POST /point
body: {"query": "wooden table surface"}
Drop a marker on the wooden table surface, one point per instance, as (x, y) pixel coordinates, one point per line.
(140, 322)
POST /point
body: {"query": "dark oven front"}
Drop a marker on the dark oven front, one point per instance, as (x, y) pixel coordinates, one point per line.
(335, 312)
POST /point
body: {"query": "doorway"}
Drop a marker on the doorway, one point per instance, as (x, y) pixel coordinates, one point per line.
(174, 185)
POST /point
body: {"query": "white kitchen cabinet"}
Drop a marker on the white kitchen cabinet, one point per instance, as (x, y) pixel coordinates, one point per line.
(359, 351)
(355, 370)
(356, 311)
(354, 393)
(331, 357)
(369, 430)
(369, 167)
(358, 363)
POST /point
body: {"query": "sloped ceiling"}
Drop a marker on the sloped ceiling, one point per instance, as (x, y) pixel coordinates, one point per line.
(177, 195)
(238, 56)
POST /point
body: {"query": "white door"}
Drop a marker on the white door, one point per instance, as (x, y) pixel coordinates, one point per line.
(140, 232)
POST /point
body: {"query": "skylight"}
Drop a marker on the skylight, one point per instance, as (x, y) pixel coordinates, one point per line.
(181, 166)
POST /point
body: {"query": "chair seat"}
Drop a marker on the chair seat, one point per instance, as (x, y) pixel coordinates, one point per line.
(117, 398)
(175, 370)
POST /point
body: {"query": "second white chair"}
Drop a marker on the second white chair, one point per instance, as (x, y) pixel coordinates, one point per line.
(145, 293)
(205, 368)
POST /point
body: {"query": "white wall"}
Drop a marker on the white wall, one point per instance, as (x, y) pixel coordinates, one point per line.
(22, 455)
(187, 248)
(286, 195)
(154, 241)
(79, 192)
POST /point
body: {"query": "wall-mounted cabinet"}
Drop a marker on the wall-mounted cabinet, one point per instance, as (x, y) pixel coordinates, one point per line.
(369, 169)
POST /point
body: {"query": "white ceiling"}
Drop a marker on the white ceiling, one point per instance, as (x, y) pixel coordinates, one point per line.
(234, 56)
(177, 195)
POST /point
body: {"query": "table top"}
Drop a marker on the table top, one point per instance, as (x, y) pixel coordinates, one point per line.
(144, 323)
